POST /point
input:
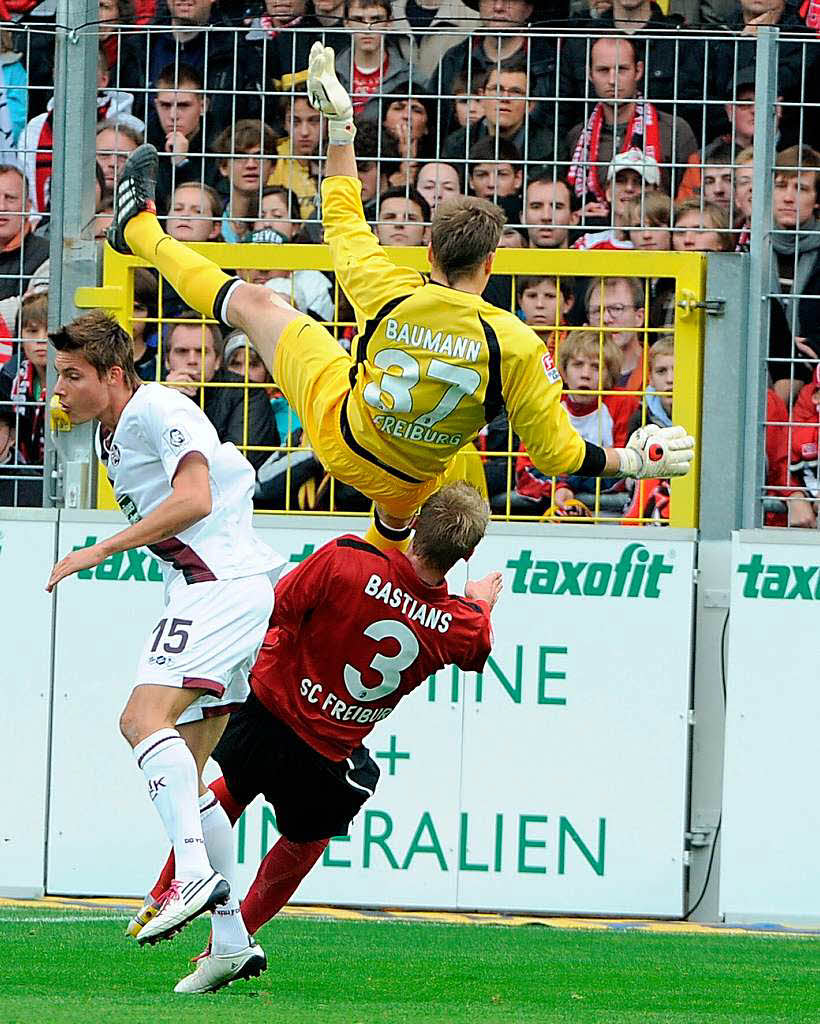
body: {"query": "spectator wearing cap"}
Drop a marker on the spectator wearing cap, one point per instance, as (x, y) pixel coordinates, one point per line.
(307, 290)
(796, 61)
(193, 360)
(622, 120)
(240, 357)
(484, 49)
(739, 135)
(630, 175)
(373, 62)
(508, 106)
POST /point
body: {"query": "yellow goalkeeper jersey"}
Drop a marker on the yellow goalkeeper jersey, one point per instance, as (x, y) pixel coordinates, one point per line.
(433, 364)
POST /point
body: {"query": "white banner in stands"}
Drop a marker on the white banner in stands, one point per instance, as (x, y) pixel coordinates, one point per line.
(26, 555)
(554, 782)
(771, 815)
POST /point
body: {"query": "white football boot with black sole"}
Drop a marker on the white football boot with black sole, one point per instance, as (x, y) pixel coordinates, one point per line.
(184, 901)
(216, 970)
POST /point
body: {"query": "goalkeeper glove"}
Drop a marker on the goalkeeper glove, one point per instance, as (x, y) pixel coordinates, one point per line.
(655, 451)
(327, 94)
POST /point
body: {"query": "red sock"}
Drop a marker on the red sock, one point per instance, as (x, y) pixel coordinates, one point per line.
(279, 874)
(231, 808)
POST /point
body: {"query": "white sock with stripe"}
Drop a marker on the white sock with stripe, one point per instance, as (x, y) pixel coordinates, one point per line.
(173, 785)
(229, 931)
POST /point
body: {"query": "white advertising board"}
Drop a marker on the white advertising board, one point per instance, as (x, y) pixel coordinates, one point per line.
(575, 741)
(555, 782)
(771, 814)
(26, 557)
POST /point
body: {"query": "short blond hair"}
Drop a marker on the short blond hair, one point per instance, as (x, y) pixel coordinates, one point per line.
(449, 525)
(592, 345)
(664, 346)
(654, 209)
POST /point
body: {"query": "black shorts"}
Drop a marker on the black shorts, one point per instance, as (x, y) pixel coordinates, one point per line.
(312, 796)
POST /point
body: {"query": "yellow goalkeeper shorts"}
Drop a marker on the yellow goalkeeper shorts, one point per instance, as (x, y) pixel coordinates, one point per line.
(313, 372)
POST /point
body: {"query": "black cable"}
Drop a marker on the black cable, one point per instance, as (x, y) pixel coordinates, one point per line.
(699, 900)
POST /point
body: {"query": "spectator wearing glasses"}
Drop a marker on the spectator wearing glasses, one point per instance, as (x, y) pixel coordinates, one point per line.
(484, 49)
(508, 114)
(373, 62)
(620, 309)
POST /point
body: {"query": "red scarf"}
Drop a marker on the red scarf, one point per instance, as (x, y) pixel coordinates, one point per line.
(810, 13)
(26, 405)
(642, 133)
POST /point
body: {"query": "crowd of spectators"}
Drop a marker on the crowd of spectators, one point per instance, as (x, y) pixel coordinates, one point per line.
(594, 125)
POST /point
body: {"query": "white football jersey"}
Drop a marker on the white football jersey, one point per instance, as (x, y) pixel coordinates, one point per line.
(158, 427)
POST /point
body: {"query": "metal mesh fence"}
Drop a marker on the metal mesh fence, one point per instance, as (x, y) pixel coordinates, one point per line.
(606, 135)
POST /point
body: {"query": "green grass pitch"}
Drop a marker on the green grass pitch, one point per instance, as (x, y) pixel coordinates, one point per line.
(59, 967)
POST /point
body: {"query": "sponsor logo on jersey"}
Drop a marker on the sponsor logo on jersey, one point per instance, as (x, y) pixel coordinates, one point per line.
(549, 368)
(776, 582)
(114, 456)
(637, 573)
(160, 659)
(176, 438)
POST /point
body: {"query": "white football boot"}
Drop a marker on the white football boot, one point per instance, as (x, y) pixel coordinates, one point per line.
(183, 901)
(216, 970)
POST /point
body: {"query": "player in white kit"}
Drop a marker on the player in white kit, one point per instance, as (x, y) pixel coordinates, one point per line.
(188, 499)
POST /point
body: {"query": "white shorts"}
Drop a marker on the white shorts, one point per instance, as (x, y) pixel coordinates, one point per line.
(208, 639)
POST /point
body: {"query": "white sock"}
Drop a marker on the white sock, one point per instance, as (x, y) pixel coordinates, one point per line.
(229, 931)
(173, 785)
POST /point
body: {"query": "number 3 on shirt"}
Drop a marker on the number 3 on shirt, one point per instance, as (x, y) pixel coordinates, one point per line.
(389, 668)
(462, 380)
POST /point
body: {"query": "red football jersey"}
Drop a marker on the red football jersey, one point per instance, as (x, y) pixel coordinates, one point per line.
(353, 630)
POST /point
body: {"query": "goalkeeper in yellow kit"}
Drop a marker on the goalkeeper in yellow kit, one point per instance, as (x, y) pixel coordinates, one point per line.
(433, 362)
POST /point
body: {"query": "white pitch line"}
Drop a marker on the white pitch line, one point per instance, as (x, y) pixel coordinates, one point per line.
(62, 919)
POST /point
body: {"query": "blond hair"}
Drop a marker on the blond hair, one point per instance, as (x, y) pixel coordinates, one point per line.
(654, 209)
(592, 345)
(449, 525)
(664, 346)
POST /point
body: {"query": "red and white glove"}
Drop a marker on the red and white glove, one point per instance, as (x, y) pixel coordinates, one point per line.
(327, 94)
(655, 451)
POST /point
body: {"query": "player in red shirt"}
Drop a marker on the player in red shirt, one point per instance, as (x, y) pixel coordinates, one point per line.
(353, 630)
